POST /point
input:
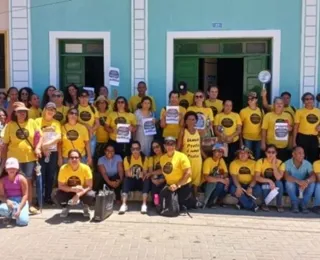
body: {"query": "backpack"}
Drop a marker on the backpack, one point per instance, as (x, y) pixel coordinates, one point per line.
(169, 203)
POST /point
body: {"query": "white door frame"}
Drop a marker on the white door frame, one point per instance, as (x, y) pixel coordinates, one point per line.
(274, 35)
(55, 36)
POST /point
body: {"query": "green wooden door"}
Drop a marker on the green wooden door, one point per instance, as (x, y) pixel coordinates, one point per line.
(72, 71)
(252, 67)
(187, 69)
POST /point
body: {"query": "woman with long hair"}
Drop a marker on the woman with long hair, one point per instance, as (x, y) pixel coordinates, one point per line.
(61, 111)
(47, 95)
(25, 95)
(34, 108)
(13, 95)
(71, 95)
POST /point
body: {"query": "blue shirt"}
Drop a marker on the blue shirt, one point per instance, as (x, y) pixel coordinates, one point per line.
(111, 166)
(300, 173)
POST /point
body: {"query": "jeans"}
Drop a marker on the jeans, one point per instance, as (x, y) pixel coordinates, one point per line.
(49, 174)
(310, 145)
(93, 142)
(23, 219)
(244, 200)
(266, 190)
(218, 193)
(255, 147)
(28, 169)
(134, 184)
(316, 202)
(62, 198)
(292, 189)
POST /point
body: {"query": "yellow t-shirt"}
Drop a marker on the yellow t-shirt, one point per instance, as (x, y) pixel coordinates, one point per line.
(264, 168)
(215, 168)
(87, 115)
(191, 145)
(154, 164)
(101, 134)
(216, 106)
(186, 100)
(173, 167)
(61, 114)
(269, 121)
(137, 165)
(34, 113)
(316, 167)
(110, 104)
(74, 178)
(134, 101)
(230, 122)
(204, 115)
(252, 122)
(244, 170)
(18, 147)
(74, 137)
(308, 120)
(115, 118)
(172, 130)
(49, 128)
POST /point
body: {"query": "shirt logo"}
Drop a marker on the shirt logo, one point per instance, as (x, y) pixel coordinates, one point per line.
(167, 168)
(268, 173)
(244, 170)
(58, 116)
(255, 119)
(120, 120)
(72, 135)
(312, 119)
(227, 122)
(102, 120)
(22, 134)
(73, 181)
(184, 103)
(85, 116)
(136, 171)
(214, 110)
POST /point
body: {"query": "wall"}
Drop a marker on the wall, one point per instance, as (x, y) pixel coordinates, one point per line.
(103, 15)
(4, 16)
(191, 15)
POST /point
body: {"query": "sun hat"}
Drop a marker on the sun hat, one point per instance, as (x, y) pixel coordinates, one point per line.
(12, 163)
(51, 105)
(101, 98)
(19, 106)
(245, 149)
(170, 139)
(252, 95)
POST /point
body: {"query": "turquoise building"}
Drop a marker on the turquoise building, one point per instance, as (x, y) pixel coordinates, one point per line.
(202, 42)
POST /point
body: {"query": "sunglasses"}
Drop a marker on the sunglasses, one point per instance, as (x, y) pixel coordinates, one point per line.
(250, 99)
(57, 95)
(170, 143)
(74, 157)
(73, 113)
(84, 96)
(120, 102)
(271, 152)
(155, 147)
(199, 96)
(135, 149)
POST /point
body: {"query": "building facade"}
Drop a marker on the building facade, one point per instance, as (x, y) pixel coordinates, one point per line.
(163, 42)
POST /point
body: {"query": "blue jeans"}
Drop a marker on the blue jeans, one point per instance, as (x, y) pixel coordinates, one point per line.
(316, 202)
(28, 169)
(254, 146)
(23, 219)
(246, 201)
(266, 190)
(218, 193)
(93, 142)
(292, 189)
(49, 174)
(134, 184)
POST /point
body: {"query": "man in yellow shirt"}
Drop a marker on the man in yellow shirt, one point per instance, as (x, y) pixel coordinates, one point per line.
(134, 101)
(186, 97)
(213, 102)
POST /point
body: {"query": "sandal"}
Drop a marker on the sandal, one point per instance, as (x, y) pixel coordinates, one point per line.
(280, 209)
(33, 211)
(265, 208)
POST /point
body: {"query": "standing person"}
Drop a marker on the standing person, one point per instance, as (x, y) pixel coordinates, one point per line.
(120, 115)
(14, 193)
(272, 133)
(18, 142)
(74, 136)
(48, 95)
(189, 143)
(35, 110)
(186, 97)
(110, 167)
(3, 122)
(135, 101)
(74, 185)
(103, 91)
(213, 102)
(136, 167)
(300, 178)
(71, 95)
(269, 172)
(172, 129)
(51, 132)
(227, 126)
(251, 118)
(61, 109)
(13, 97)
(142, 113)
(25, 95)
(307, 127)
(3, 100)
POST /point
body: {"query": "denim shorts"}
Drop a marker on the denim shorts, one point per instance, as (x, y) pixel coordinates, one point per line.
(28, 169)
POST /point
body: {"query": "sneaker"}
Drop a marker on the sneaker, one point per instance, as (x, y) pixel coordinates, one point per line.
(255, 208)
(64, 213)
(86, 211)
(238, 206)
(295, 209)
(265, 208)
(33, 211)
(199, 205)
(123, 209)
(280, 209)
(304, 210)
(144, 209)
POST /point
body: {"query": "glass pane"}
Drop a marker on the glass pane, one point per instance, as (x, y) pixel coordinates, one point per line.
(189, 48)
(209, 48)
(94, 48)
(259, 47)
(73, 48)
(232, 48)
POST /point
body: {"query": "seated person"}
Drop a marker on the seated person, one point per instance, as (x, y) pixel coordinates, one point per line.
(14, 194)
(74, 185)
(216, 175)
(269, 172)
(243, 182)
(111, 169)
(135, 167)
(299, 180)
(316, 202)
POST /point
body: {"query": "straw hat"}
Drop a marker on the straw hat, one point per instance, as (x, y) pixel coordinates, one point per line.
(19, 106)
(101, 98)
(245, 149)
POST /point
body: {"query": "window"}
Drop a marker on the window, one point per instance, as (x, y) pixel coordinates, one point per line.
(73, 48)
(257, 47)
(2, 62)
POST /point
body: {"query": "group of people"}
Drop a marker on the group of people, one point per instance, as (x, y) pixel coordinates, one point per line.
(80, 148)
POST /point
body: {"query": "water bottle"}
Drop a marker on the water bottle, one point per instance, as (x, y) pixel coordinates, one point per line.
(156, 199)
(47, 159)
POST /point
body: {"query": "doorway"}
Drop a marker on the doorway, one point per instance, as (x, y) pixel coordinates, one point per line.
(94, 75)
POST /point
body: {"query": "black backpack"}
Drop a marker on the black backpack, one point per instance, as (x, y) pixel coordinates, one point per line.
(169, 203)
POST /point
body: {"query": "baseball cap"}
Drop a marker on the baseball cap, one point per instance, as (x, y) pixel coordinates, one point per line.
(170, 139)
(12, 163)
(19, 106)
(218, 147)
(51, 105)
(83, 93)
(245, 149)
(252, 95)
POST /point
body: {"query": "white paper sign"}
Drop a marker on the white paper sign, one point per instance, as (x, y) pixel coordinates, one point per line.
(172, 117)
(123, 133)
(272, 194)
(201, 122)
(49, 134)
(149, 127)
(114, 76)
(91, 94)
(281, 132)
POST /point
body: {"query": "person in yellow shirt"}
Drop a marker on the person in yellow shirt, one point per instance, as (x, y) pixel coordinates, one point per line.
(51, 135)
(227, 126)
(135, 101)
(213, 102)
(61, 111)
(269, 173)
(170, 129)
(176, 169)
(216, 175)
(251, 118)
(103, 91)
(276, 128)
(307, 127)
(74, 185)
(34, 110)
(186, 97)
(136, 169)
(316, 201)
(243, 184)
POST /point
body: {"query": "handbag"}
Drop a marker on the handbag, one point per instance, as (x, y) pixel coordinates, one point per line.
(104, 204)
